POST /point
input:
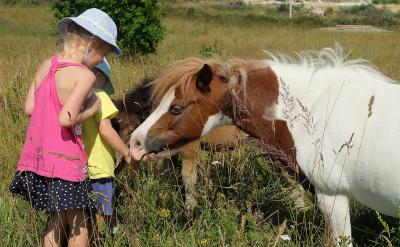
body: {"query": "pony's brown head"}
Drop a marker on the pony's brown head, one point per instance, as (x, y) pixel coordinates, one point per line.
(189, 95)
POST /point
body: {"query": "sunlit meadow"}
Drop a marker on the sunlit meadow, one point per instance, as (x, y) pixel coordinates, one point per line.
(245, 202)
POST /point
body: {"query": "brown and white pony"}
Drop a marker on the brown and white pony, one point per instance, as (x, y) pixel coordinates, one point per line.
(332, 116)
(136, 105)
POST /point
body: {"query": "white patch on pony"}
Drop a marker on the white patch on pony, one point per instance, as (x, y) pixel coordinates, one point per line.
(270, 113)
(153, 118)
(214, 121)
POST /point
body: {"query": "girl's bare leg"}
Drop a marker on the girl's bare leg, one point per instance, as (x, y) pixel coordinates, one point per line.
(56, 229)
(78, 222)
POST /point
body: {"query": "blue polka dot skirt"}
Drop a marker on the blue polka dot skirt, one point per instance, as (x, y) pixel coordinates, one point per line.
(52, 194)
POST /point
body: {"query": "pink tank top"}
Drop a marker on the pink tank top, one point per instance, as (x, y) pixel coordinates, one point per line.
(51, 150)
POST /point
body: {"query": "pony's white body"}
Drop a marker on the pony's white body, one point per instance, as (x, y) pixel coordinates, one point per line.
(346, 128)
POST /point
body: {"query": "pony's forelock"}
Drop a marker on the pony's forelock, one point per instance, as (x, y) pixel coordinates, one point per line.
(179, 74)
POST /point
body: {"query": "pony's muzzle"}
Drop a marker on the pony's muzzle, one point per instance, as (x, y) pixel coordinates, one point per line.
(136, 147)
(153, 143)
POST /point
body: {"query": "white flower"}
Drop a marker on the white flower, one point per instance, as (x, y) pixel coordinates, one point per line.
(285, 237)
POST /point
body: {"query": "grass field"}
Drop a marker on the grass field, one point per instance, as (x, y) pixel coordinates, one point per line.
(247, 204)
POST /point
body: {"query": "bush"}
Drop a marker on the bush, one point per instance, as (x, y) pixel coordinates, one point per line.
(368, 14)
(385, 1)
(190, 11)
(138, 21)
(237, 3)
(283, 7)
(364, 10)
(210, 50)
(328, 11)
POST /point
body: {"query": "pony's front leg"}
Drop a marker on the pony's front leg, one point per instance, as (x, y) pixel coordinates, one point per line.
(336, 209)
(189, 156)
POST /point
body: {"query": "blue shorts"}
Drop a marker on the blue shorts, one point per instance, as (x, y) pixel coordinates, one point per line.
(104, 190)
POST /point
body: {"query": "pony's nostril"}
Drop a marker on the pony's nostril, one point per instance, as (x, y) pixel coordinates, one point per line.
(137, 141)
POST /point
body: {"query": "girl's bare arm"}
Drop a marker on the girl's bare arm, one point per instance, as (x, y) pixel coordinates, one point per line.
(30, 99)
(71, 112)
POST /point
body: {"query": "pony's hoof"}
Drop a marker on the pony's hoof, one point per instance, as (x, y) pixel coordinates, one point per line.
(190, 203)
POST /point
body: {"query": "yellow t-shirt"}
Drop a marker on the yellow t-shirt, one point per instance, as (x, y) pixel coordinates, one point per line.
(100, 154)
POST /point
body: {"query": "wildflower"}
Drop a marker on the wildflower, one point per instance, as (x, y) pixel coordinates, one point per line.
(203, 242)
(157, 237)
(285, 237)
(220, 195)
(165, 213)
(216, 162)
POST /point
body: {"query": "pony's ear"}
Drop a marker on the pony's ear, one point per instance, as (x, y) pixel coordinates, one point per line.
(204, 77)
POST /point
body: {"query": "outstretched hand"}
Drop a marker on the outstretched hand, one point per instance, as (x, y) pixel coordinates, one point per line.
(138, 153)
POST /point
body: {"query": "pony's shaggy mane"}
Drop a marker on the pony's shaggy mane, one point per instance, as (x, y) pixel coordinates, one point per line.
(136, 100)
(327, 58)
(180, 74)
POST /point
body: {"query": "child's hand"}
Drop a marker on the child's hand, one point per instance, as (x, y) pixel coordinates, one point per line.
(138, 153)
(92, 105)
(128, 157)
(131, 161)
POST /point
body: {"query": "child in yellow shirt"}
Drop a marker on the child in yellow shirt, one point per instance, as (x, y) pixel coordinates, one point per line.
(100, 140)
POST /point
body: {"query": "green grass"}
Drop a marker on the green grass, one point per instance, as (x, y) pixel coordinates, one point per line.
(244, 187)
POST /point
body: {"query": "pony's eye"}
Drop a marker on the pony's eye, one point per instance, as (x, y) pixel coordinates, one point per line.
(223, 79)
(176, 109)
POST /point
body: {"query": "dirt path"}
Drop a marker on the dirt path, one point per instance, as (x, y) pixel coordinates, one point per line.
(353, 28)
(324, 5)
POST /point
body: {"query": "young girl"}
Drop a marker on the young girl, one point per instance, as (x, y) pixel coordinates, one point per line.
(52, 169)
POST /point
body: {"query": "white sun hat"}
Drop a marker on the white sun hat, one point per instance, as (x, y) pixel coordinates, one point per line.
(96, 22)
